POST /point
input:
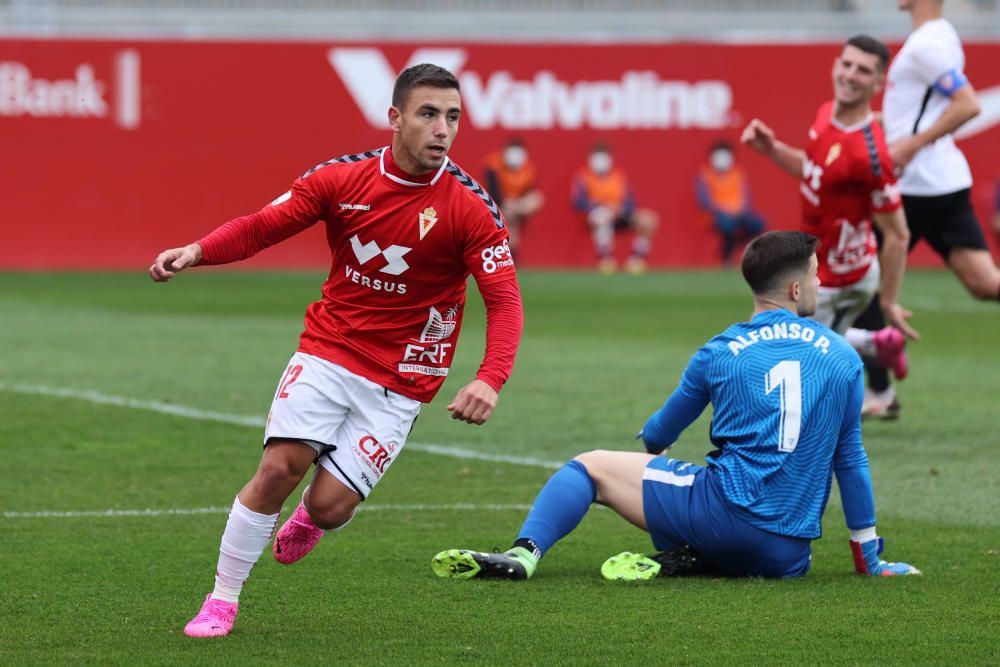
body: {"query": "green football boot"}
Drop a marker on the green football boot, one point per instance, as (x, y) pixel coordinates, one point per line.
(516, 563)
(628, 566)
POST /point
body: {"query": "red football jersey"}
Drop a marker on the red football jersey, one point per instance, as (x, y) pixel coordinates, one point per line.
(846, 177)
(402, 249)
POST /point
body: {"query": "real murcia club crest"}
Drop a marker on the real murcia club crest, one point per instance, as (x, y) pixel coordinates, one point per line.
(833, 154)
(427, 220)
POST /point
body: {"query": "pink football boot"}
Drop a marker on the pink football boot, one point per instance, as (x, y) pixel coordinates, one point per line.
(214, 620)
(296, 537)
(890, 350)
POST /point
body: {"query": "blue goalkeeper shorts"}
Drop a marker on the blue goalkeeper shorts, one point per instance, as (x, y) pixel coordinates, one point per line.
(684, 504)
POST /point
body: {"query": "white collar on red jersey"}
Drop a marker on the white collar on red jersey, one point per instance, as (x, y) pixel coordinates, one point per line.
(850, 128)
(403, 181)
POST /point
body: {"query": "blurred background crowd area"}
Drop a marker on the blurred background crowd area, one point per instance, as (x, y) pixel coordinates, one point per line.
(486, 19)
(165, 118)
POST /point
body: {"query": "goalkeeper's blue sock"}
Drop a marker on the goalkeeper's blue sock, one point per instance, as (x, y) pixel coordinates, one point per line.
(558, 509)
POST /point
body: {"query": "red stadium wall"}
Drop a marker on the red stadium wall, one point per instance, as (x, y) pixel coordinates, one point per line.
(114, 150)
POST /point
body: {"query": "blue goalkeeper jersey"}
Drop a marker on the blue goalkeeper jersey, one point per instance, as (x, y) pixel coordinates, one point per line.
(787, 394)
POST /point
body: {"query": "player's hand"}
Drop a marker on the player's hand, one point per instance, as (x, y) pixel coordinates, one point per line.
(474, 402)
(758, 136)
(896, 316)
(867, 561)
(902, 151)
(171, 262)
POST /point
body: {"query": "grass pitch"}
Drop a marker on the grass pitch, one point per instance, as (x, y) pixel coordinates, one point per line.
(598, 356)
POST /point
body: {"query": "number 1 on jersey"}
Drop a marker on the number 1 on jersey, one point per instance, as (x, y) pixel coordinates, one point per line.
(787, 377)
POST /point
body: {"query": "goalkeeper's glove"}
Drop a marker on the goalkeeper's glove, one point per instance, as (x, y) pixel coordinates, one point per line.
(867, 561)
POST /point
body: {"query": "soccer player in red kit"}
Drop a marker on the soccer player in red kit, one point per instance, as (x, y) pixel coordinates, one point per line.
(406, 227)
(847, 184)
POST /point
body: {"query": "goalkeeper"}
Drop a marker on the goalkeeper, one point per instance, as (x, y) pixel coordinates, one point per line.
(786, 393)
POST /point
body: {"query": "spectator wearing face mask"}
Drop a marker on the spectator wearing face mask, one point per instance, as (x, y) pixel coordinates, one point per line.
(512, 182)
(601, 192)
(724, 193)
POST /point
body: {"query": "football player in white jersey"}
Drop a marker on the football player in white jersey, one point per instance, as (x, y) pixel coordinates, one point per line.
(927, 98)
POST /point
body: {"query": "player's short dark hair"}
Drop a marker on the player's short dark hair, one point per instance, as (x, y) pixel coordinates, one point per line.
(772, 257)
(721, 144)
(423, 74)
(869, 44)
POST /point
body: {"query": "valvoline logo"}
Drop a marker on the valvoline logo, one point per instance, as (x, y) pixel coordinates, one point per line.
(638, 99)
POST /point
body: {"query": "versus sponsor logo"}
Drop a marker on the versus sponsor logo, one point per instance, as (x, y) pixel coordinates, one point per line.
(395, 264)
(376, 284)
(638, 99)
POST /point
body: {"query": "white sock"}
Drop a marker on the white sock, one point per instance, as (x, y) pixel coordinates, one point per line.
(640, 246)
(886, 395)
(247, 534)
(862, 341)
(604, 237)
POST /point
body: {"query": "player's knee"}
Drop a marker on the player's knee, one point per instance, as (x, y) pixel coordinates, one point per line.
(985, 288)
(332, 514)
(276, 477)
(647, 221)
(591, 461)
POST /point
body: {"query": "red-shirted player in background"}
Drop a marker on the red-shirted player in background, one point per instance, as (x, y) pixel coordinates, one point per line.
(847, 184)
(405, 227)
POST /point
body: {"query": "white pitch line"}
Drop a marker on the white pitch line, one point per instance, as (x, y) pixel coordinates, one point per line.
(256, 422)
(225, 510)
(966, 304)
(135, 404)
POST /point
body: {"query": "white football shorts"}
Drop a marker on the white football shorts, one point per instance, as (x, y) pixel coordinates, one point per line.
(356, 426)
(838, 307)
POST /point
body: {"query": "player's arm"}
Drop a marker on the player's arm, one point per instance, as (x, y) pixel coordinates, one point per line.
(762, 139)
(628, 205)
(850, 464)
(243, 237)
(701, 194)
(474, 403)
(687, 402)
(486, 255)
(963, 107)
(580, 197)
(892, 256)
